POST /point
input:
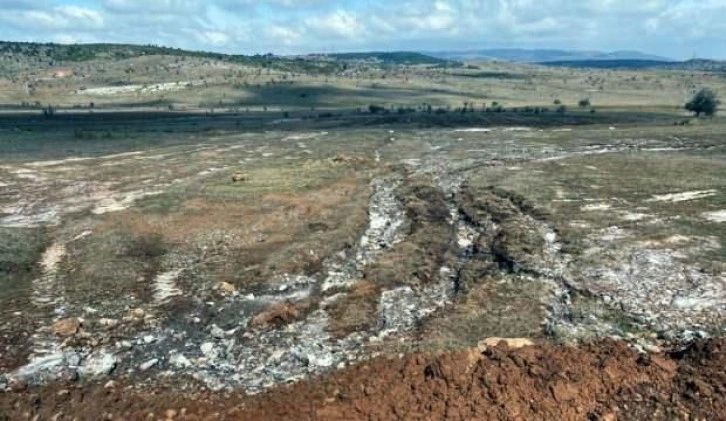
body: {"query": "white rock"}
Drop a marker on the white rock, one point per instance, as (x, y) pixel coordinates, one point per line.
(179, 361)
(41, 365)
(217, 332)
(98, 364)
(147, 365)
(209, 351)
(325, 360)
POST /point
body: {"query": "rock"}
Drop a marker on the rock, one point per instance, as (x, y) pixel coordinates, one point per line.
(109, 323)
(17, 385)
(66, 327)
(170, 414)
(652, 349)
(324, 360)
(110, 385)
(73, 359)
(99, 364)
(179, 361)
(147, 365)
(149, 339)
(239, 177)
(217, 332)
(138, 314)
(44, 367)
(226, 288)
(277, 315)
(68, 374)
(209, 351)
(514, 343)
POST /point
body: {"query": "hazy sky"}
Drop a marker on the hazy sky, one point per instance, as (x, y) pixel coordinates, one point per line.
(674, 28)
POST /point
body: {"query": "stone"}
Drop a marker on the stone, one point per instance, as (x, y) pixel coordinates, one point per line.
(217, 332)
(68, 374)
(652, 349)
(226, 288)
(66, 327)
(513, 343)
(138, 314)
(98, 364)
(73, 359)
(179, 361)
(109, 323)
(209, 351)
(42, 367)
(239, 177)
(170, 414)
(276, 315)
(17, 385)
(110, 385)
(324, 360)
(147, 365)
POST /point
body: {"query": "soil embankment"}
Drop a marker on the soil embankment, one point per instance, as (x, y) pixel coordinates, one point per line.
(603, 381)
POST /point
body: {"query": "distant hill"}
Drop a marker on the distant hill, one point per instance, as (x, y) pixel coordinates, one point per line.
(543, 55)
(610, 64)
(393, 57)
(693, 65)
(68, 53)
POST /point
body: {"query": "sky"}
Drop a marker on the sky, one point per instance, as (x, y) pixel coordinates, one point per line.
(672, 28)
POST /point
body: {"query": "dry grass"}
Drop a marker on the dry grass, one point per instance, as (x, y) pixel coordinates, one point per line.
(356, 311)
(507, 308)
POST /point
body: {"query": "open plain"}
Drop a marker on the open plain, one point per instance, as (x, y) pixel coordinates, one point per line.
(190, 237)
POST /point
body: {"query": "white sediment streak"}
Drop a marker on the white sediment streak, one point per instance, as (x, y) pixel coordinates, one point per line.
(683, 197)
(165, 287)
(718, 216)
(48, 297)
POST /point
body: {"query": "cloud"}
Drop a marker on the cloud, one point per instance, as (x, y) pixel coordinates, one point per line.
(668, 27)
(57, 18)
(339, 23)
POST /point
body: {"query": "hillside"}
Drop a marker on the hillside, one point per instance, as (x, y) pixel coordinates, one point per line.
(689, 65)
(55, 54)
(394, 57)
(543, 55)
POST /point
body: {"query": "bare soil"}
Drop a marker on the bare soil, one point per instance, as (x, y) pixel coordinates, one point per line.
(599, 381)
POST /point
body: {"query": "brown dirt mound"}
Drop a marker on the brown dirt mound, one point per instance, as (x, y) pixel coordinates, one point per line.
(605, 381)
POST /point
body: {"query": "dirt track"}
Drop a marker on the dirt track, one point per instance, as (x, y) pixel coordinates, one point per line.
(604, 381)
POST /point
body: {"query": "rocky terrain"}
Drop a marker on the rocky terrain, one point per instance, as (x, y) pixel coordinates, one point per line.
(411, 241)
(602, 381)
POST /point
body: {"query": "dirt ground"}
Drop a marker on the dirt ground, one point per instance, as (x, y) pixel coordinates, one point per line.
(600, 381)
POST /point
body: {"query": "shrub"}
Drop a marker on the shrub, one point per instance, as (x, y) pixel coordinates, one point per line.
(705, 102)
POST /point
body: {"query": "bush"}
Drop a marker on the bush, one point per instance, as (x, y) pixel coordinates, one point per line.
(558, 102)
(705, 102)
(147, 247)
(374, 109)
(584, 103)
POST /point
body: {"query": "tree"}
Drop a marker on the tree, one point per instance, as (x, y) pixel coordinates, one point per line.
(704, 101)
